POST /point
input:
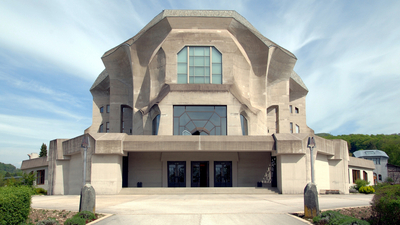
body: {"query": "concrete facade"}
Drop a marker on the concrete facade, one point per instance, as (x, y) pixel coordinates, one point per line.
(243, 118)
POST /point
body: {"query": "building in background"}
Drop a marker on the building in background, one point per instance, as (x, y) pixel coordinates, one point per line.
(198, 99)
(380, 159)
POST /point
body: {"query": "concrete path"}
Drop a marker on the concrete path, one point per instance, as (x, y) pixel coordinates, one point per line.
(200, 208)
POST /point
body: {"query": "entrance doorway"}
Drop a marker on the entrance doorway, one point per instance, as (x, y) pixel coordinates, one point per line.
(223, 174)
(200, 174)
(177, 174)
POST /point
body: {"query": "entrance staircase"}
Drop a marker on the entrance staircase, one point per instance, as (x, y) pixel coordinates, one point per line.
(207, 190)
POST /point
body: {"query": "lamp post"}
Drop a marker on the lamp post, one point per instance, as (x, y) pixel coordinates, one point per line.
(311, 145)
(85, 144)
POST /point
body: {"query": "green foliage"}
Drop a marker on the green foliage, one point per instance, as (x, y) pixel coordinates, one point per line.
(333, 218)
(8, 168)
(360, 183)
(15, 203)
(75, 221)
(43, 150)
(40, 191)
(86, 215)
(386, 205)
(387, 143)
(48, 221)
(366, 189)
(28, 179)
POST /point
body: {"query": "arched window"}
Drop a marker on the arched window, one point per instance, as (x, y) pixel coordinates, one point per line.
(101, 128)
(243, 122)
(156, 124)
(199, 65)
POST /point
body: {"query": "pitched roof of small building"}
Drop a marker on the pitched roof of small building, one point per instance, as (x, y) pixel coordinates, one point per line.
(370, 153)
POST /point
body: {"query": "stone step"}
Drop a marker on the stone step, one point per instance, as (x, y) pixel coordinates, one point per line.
(208, 190)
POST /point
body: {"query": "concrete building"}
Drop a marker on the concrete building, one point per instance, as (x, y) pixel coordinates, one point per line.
(198, 99)
(380, 159)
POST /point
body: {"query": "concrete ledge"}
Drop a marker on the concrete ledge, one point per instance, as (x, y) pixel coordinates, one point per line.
(183, 190)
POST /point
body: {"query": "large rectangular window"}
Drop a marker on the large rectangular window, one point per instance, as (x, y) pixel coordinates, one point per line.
(199, 120)
(356, 175)
(40, 177)
(199, 65)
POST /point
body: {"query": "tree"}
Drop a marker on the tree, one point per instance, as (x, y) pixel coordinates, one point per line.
(43, 150)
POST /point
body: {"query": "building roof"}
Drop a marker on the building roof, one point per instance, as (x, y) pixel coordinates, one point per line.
(370, 153)
(204, 13)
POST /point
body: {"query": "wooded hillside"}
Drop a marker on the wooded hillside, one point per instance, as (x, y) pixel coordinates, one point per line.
(387, 143)
(11, 169)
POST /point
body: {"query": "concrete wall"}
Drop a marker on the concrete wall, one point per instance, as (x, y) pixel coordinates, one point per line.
(291, 173)
(107, 174)
(145, 168)
(253, 167)
(322, 175)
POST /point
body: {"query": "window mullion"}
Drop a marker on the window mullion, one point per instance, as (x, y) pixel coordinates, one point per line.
(210, 65)
(187, 64)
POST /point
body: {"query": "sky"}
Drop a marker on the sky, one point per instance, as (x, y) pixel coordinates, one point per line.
(50, 55)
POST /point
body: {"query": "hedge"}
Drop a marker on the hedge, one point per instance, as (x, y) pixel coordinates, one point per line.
(332, 218)
(386, 205)
(15, 203)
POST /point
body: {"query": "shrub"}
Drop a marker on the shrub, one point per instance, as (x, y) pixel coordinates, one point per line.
(360, 183)
(366, 189)
(48, 221)
(333, 217)
(15, 203)
(40, 191)
(75, 221)
(87, 215)
(386, 205)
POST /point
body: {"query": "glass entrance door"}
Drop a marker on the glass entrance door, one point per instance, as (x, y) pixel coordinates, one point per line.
(177, 174)
(200, 174)
(223, 174)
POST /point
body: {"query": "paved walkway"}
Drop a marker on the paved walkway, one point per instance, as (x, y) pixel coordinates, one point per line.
(200, 208)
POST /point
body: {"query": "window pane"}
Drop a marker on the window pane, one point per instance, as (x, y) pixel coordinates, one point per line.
(221, 110)
(196, 108)
(199, 71)
(179, 110)
(182, 55)
(191, 51)
(216, 79)
(199, 61)
(191, 61)
(200, 115)
(199, 80)
(207, 61)
(207, 80)
(182, 68)
(182, 79)
(199, 51)
(191, 71)
(207, 51)
(191, 80)
(216, 68)
(216, 56)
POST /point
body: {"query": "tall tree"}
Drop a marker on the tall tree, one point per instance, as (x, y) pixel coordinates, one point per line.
(43, 150)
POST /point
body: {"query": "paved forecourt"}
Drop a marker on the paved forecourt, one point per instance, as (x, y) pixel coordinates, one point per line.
(200, 208)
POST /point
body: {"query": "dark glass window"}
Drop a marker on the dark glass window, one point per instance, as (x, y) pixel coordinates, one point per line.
(40, 177)
(199, 65)
(177, 174)
(107, 127)
(108, 108)
(199, 120)
(222, 174)
(156, 124)
(101, 128)
(101, 109)
(243, 122)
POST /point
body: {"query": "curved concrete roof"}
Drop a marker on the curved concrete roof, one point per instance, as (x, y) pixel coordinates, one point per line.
(370, 153)
(204, 13)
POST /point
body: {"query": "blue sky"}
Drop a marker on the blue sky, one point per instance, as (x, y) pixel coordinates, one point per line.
(348, 56)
